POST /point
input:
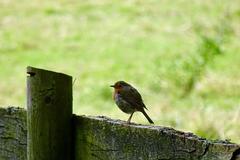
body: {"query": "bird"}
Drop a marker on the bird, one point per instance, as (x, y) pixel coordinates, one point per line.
(129, 100)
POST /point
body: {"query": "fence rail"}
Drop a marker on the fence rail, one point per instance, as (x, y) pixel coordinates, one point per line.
(105, 138)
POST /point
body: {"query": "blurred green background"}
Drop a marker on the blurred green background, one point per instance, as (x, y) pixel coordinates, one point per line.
(183, 57)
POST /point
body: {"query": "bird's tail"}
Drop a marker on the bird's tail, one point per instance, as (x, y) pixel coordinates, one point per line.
(148, 118)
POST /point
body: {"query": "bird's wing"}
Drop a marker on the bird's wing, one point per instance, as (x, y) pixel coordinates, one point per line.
(133, 97)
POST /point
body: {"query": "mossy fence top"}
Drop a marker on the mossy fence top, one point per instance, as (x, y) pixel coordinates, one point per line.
(49, 131)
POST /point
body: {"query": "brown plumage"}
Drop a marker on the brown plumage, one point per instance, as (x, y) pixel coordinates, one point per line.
(128, 99)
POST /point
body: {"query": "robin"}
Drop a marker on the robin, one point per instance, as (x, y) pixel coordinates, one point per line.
(128, 99)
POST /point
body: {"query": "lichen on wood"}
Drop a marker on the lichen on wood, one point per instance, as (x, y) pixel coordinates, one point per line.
(13, 134)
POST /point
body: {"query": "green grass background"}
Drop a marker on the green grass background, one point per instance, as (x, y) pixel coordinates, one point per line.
(183, 56)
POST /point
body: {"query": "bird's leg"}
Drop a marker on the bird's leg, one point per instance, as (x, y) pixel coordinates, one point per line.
(129, 119)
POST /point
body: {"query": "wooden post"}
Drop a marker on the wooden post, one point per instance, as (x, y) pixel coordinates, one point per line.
(49, 115)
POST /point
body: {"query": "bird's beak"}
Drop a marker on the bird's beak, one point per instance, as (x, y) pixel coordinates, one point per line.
(112, 86)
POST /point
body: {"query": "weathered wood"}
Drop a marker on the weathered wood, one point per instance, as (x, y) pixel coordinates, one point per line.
(106, 139)
(103, 138)
(49, 115)
(13, 134)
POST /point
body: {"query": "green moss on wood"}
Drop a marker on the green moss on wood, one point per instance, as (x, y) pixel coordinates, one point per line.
(103, 138)
(49, 107)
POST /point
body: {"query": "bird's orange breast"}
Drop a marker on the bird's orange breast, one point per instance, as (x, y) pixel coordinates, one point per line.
(116, 91)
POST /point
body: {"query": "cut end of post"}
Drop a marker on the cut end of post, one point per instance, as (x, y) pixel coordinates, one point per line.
(30, 71)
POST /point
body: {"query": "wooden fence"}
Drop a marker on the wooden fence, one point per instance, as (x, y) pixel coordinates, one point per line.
(48, 130)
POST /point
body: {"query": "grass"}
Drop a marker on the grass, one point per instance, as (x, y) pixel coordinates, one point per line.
(182, 56)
